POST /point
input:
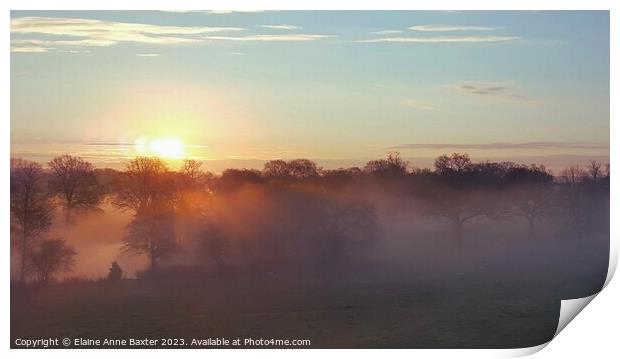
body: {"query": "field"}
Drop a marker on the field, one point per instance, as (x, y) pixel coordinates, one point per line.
(488, 302)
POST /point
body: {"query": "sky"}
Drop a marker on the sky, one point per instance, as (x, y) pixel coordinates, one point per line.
(338, 87)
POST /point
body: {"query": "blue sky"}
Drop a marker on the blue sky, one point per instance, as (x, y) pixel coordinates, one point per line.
(328, 85)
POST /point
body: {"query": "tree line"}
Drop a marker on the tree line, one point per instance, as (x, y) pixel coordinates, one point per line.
(289, 207)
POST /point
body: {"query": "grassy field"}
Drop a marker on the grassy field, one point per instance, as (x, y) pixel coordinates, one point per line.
(361, 314)
(494, 293)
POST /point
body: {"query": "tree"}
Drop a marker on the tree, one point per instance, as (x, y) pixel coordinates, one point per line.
(52, 256)
(233, 179)
(213, 244)
(392, 166)
(452, 196)
(116, 273)
(459, 205)
(303, 169)
(298, 169)
(595, 170)
(142, 184)
(152, 233)
(31, 209)
(74, 180)
(462, 190)
(457, 163)
(191, 169)
(573, 190)
(276, 169)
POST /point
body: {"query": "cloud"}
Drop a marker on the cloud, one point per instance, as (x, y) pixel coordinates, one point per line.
(267, 38)
(30, 49)
(214, 12)
(225, 12)
(147, 55)
(281, 27)
(387, 32)
(490, 89)
(90, 32)
(504, 146)
(443, 39)
(449, 28)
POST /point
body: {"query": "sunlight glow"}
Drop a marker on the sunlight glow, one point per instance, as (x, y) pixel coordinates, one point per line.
(166, 147)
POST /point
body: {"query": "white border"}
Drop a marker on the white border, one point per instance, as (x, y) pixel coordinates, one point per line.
(594, 331)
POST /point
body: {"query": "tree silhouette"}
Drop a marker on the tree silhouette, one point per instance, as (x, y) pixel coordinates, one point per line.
(52, 256)
(116, 273)
(595, 170)
(233, 179)
(298, 169)
(572, 179)
(142, 184)
(392, 166)
(31, 209)
(533, 195)
(455, 164)
(213, 244)
(152, 233)
(74, 180)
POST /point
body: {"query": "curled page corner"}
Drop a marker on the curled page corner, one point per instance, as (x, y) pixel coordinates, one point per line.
(569, 309)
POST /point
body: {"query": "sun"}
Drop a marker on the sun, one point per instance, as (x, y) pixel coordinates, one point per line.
(166, 147)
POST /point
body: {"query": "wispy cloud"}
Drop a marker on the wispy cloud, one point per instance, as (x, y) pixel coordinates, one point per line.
(29, 49)
(147, 55)
(387, 32)
(90, 32)
(281, 27)
(443, 39)
(488, 89)
(432, 29)
(214, 12)
(225, 12)
(266, 38)
(505, 146)
(449, 28)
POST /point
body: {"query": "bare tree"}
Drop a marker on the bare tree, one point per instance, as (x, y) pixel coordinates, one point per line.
(455, 163)
(572, 179)
(595, 170)
(31, 209)
(152, 233)
(142, 184)
(276, 169)
(458, 205)
(393, 165)
(52, 256)
(533, 204)
(191, 169)
(293, 169)
(213, 244)
(74, 180)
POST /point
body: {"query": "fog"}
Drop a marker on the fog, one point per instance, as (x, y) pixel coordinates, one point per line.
(274, 229)
(468, 254)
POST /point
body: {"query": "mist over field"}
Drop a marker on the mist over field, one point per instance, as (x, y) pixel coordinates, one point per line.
(388, 245)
